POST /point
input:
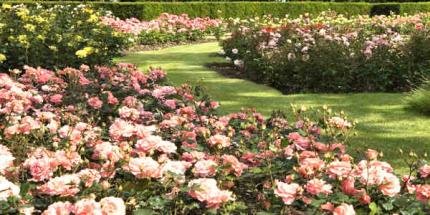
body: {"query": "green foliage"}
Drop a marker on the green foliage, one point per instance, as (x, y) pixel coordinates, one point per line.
(419, 100)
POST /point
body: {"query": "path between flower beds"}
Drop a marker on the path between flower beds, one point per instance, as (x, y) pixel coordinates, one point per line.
(384, 124)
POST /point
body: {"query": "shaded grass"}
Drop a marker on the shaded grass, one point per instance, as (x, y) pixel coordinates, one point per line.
(384, 123)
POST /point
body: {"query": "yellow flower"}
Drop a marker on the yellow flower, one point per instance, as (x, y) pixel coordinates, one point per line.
(93, 18)
(84, 52)
(53, 48)
(2, 58)
(23, 13)
(30, 27)
(6, 6)
(88, 10)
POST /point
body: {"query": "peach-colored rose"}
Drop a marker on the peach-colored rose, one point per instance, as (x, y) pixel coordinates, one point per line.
(112, 206)
(95, 102)
(348, 186)
(86, 207)
(339, 169)
(233, 164)
(424, 171)
(391, 185)
(144, 167)
(206, 190)
(65, 185)
(344, 209)
(423, 193)
(327, 206)
(317, 186)
(59, 208)
(219, 140)
(288, 192)
(205, 168)
(7, 189)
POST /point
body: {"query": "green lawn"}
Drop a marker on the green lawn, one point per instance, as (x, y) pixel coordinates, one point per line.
(383, 122)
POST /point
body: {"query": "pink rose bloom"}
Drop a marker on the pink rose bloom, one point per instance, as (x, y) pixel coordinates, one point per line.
(148, 144)
(144, 167)
(65, 185)
(339, 122)
(233, 164)
(107, 151)
(56, 99)
(344, 209)
(121, 129)
(424, 171)
(371, 154)
(391, 185)
(288, 192)
(89, 176)
(205, 168)
(8, 189)
(95, 102)
(166, 147)
(67, 160)
(219, 140)
(423, 193)
(317, 186)
(175, 169)
(373, 172)
(365, 199)
(86, 207)
(171, 103)
(112, 100)
(309, 166)
(206, 190)
(339, 169)
(327, 206)
(6, 159)
(59, 208)
(348, 186)
(40, 169)
(128, 113)
(112, 206)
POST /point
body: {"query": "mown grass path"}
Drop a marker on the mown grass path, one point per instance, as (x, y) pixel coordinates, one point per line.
(384, 124)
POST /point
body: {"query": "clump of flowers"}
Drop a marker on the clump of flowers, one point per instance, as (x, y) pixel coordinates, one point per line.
(167, 28)
(102, 140)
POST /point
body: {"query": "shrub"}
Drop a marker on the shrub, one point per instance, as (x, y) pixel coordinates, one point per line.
(113, 139)
(419, 100)
(57, 37)
(330, 53)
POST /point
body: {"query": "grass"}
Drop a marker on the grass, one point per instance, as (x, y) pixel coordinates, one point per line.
(384, 123)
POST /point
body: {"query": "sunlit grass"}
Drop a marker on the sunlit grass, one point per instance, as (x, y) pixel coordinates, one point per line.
(384, 123)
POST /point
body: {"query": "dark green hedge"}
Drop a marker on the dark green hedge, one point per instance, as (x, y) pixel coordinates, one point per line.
(150, 10)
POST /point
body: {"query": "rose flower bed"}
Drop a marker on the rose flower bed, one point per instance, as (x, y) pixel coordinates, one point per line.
(113, 140)
(168, 28)
(331, 53)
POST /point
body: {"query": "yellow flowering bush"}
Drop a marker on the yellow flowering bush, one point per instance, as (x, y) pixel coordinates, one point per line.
(56, 37)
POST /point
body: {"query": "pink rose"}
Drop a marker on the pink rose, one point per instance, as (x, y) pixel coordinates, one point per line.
(86, 207)
(95, 102)
(339, 169)
(423, 193)
(144, 167)
(391, 185)
(206, 190)
(317, 186)
(59, 208)
(112, 206)
(205, 168)
(344, 209)
(219, 140)
(288, 192)
(56, 99)
(424, 171)
(233, 164)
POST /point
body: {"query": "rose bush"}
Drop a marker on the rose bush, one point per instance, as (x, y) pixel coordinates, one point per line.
(56, 37)
(168, 28)
(112, 140)
(331, 53)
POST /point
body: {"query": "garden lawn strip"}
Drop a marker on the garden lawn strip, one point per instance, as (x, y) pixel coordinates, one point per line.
(384, 123)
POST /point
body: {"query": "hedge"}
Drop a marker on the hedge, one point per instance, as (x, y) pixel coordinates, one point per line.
(150, 10)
